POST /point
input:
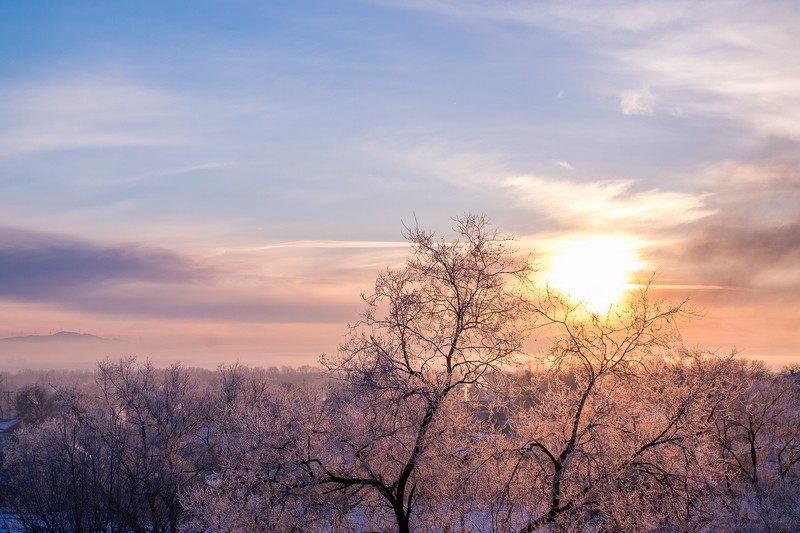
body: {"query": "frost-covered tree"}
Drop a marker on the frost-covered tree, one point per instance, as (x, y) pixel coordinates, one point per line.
(756, 434)
(116, 459)
(610, 422)
(450, 319)
(260, 441)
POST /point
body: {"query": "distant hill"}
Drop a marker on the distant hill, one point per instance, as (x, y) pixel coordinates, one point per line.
(61, 336)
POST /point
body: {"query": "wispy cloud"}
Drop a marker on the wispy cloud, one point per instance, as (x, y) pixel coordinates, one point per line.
(295, 282)
(329, 245)
(428, 154)
(722, 59)
(162, 173)
(598, 204)
(637, 102)
(757, 176)
(715, 62)
(85, 114)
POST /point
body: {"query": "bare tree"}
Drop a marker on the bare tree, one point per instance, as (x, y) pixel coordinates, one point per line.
(6, 402)
(606, 410)
(453, 316)
(162, 414)
(117, 458)
(57, 470)
(243, 385)
(757, 437)
(35, 403)
(260, 439)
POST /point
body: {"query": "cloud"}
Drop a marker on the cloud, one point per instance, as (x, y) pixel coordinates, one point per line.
(755, 177)
(80, 114)
(637, 102)
(162, 173)
(706, 58)
(331, 245)
(599, 204)
(426, 153)
(36, 265)
(219, 302)
(294, 282)
(747, 254)
(752, 267)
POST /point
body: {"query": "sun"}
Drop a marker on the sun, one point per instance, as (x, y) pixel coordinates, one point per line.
(595, 270)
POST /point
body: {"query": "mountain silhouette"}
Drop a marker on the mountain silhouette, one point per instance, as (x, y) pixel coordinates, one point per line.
(69, 336)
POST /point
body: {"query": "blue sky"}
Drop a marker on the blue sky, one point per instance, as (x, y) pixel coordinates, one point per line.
(241, 170)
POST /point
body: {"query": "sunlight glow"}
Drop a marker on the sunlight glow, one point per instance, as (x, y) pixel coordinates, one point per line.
(595, 270)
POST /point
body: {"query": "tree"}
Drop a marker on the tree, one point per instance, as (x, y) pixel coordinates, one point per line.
(611, 413)
(35, 403)
(757, 438)
(5, 396)
(58, 478)
(451, 318)
(260, 439)
(117, 458)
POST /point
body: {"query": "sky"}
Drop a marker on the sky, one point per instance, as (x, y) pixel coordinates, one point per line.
(212, 180)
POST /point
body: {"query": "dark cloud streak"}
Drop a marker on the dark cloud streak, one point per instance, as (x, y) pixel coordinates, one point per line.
(737, 254)
(136, 280)
(38, 265)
